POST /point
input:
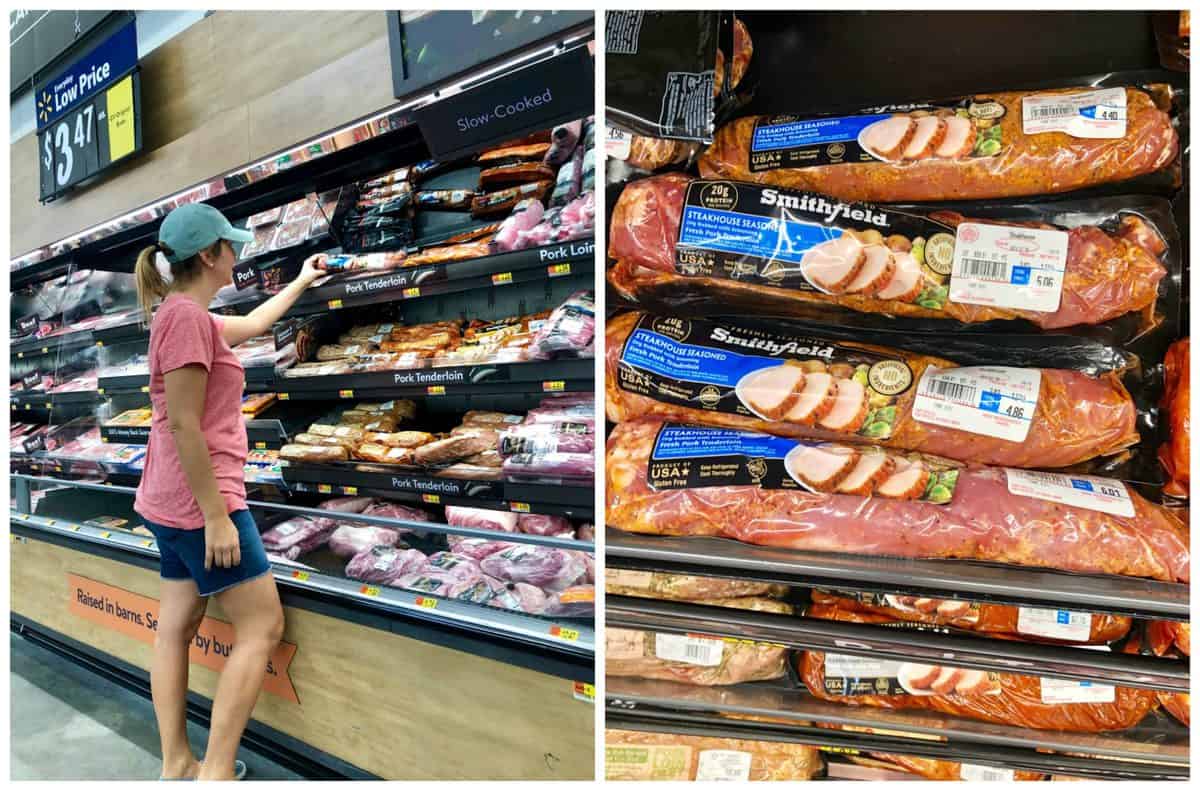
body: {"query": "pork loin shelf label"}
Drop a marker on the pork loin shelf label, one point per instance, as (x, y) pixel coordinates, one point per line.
(772, 376)
(993, 401)
(1009, 267)
(1083, 491)
(967, 127)
(1089, 114)
(692, 457)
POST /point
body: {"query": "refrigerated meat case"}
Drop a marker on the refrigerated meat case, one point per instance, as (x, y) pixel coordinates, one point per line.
(805, 62)
(375, 681)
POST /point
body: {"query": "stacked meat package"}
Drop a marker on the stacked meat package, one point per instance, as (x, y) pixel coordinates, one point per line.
(820, 349)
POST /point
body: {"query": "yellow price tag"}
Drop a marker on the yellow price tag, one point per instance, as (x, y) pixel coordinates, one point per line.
(45, 350)
(29, 406)
(585, 692)
(149, 542)
(432, 498)
(558, 270)
(99, 343)
(557, 386)
(50, 521)
(100, 390)
(349, 490)
(504, 278)
(20, 355)
(145, 388)
(345, 394)
(334, 304)
(369, 590)
(106, 534)
(300, 575)
(283, 396)
(435, 390)
(563, 633)
(76, 528)
(426, 602)
(324, 488)
(410, 293)
(260, 446)
(120, 119)
(521, 508)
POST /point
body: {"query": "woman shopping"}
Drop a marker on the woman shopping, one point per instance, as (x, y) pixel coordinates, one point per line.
(193, 494)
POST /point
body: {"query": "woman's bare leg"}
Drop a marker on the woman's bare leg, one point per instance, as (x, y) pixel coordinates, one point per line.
(257, 618)
(180, 611)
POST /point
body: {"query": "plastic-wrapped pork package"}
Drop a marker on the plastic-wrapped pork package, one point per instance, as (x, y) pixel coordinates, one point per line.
(481, 518)
(525, 215)
(569, 329)
(348, 505)
(540, 438)
(830, 497)
(578, 466)
(476, 548)
(690, 659)
(578, 601)
(570, 179)
(548, 568)
(298, 535)
(641, 755)
(478, 590)
(545, 525)
(520, 597)
(388, 510)
(437, 582)
(1175, 454)
(567, 400)
(580, 412)
(563, 140)
(349, 540)
(586, 533)
(461, 567)
(384, 565)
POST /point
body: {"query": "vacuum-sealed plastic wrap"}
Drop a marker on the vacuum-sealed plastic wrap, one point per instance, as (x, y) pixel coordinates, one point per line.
(349, 540)
(1175, 454)
(746, 248)
(644, 755)
(570, 328)
(684, 587)
(735, 375)
(994, 620)
(298, 535)
(993, 145)
(691, 659)
(1002, 698)
(935, 768)
(669, 479)
(546, 567)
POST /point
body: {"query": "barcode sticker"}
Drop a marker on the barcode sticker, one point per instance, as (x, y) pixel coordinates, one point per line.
(985, 774)
(617, 143)
(728, 765)
(994, 401)
(1008, 267)
(684, 648)
(1054, 624)
(1088, 114)
(1059, 690)
(1083, 491)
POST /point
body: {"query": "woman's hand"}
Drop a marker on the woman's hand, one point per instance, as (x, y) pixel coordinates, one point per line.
(221, 546)
(313, 268)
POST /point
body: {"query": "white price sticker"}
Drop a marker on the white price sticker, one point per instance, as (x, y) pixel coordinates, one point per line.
(727, 765)
(627, 578)
(845, 666)
(1008, 267)
(617, 143)
(993, 401)
(384, 560)
(1058, 690)
(1089, 114)
(985, 774)
(1054, 624)
(704, 651)
(1083, 491)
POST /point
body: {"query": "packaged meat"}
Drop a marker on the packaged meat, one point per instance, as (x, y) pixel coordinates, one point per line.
(449, 253)
(382, 454)
(655, 756)
(495, 178)
(444, 200)
(388, 510)
(479, 417)
(525, 215)
(563, 139)
(384, 565)
(937, 769)
(1002, 698)
(313, 453)
(730, 374)
(684, 587)
(502, 201)
(544, 525)
(349, 540)
(475, 548)
(579, 466)
(548, 568)
(541, 438)
(919, 507)
(568, 181)
(1167, 637)
(1175, 454)
(450, 449)
(1102, 256)
(298, 535)
(996, 620)
(520, 597)
(570, 327)
(348, 505)
(990, 146)
(507, 155)
(461, 567)
(578, 601)
(647, 154)
(399, 439)
(1178, 705)
(436, 582)
(743, 51)
(691, 659)
(481, 518)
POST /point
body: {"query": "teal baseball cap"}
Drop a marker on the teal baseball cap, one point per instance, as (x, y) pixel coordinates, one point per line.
(194, 227)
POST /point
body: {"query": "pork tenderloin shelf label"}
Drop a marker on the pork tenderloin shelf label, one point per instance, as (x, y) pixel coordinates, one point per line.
(805, 241)
(993, 401)
(692, 457)
(1106, 495)
(956, 130)
(1088, 114)
(772, 376)
(1009, 267)
(136, 616)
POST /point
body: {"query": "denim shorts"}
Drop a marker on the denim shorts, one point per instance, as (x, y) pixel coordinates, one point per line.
(182, 553)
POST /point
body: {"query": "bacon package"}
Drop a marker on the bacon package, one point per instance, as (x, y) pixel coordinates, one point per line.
(733, 375)
(680, 242)
(669, 479)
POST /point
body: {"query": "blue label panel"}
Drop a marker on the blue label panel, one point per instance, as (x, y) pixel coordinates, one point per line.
(794, 134)
(683, 442)
(661, 355)
(1085, 486)
(746, 234)
(104, 65)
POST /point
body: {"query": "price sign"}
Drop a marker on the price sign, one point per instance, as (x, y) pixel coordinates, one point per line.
(563, 633)
(426, 602)
(369, 590)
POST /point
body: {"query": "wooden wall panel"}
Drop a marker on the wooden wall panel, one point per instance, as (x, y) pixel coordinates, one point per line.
(233, 88)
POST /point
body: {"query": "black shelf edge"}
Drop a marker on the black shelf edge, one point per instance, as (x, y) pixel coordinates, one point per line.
(34, 400)
(941, 579)
(261, 434)
(36, 347)
(930, 647)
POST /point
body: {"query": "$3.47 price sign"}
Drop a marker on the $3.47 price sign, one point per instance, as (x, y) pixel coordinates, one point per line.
(87, 140)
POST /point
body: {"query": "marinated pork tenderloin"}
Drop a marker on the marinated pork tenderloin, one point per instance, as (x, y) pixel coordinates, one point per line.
(773, 392)
(958, 139)
(950, 609)
(1107, 274)
(641, 755)
(889, 139)
(822, 467)
(849, 409)
(983, 520)
(685, 587)
(1078, 417)
(1178, 705)
(935, 769)
(831, 266)
(451, 449)
(1023, 164)
(872, 469)
(928, 135)
(710, 661)
(815, 400)
(907, 481)
(878, 269)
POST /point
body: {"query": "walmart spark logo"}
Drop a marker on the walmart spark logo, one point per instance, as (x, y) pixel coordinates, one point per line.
(44, 104)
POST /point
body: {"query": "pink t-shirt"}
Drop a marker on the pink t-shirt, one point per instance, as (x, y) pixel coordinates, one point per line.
(183, 333)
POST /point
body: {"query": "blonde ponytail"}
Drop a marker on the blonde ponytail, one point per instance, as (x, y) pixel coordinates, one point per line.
(151, 287)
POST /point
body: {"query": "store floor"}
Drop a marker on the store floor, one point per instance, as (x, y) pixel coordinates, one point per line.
(67, 723)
